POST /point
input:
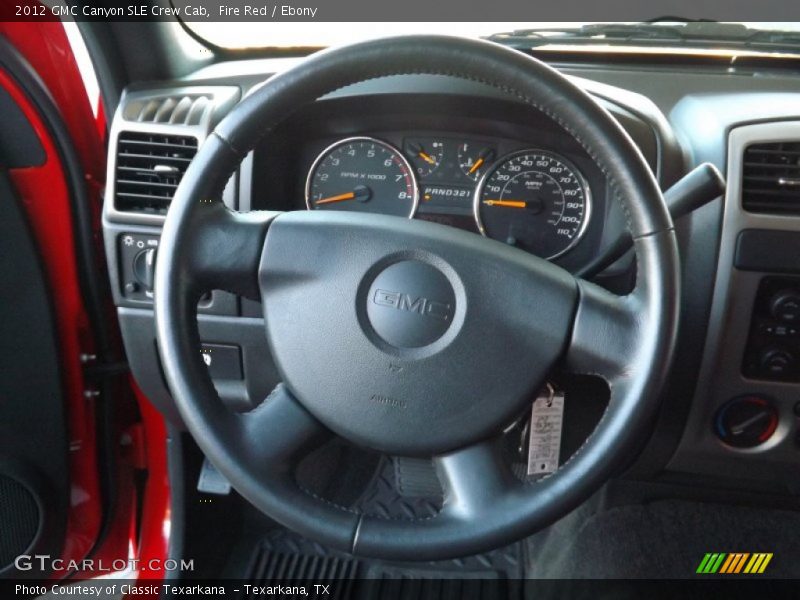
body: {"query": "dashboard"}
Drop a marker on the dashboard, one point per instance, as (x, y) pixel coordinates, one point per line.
(457, 153)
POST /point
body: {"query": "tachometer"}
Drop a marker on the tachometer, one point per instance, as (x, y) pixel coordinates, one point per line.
(362, 174)
(535, 200)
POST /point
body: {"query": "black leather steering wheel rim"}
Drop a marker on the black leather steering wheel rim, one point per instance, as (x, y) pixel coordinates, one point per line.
(626, 340)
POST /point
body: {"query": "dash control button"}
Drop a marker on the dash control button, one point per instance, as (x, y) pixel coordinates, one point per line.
(223, 361)
(785, 306)
(776, 361)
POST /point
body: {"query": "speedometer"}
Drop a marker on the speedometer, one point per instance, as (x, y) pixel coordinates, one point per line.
(535, 200)
(362, 174)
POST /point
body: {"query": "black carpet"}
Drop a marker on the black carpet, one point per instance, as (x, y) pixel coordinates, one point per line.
(664, 539)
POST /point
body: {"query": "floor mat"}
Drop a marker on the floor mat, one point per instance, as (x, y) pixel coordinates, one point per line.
(288, 559)
(401, 490)
(664, 539)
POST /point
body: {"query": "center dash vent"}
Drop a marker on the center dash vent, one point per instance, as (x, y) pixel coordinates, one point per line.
(771, 178)
(149, 168)
(187, 109)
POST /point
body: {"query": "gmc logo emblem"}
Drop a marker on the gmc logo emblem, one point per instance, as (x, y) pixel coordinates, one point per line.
(421, 305)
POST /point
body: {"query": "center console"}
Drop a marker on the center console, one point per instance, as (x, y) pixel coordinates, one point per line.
(745, 416)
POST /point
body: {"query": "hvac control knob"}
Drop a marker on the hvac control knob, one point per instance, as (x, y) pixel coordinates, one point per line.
(785, 306)
(776, 362)
(746, 421)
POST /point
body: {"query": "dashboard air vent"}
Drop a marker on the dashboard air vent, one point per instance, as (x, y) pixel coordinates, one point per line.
(149, 168)
(771, 178)
(187, 109)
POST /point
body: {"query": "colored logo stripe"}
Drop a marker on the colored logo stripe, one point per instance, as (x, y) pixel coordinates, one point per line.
(734, 563)
(758, 563)
(710, 563)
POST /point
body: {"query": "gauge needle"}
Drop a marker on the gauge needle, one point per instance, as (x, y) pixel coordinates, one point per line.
(414, 147)
(339, 198)
(427, 157)
(476, 165)
(506, 203)
(361, 193)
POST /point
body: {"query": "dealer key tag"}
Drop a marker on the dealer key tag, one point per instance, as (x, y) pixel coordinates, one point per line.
(547, 420)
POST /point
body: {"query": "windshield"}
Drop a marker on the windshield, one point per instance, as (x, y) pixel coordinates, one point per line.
(321, 34)
(318, 34)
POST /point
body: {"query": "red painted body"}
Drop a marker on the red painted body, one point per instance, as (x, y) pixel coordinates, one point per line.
(44, 194)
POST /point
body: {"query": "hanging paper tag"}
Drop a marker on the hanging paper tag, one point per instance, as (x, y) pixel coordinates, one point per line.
(547, 420)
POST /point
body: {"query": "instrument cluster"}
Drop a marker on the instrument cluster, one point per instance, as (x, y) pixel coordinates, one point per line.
(531, 198)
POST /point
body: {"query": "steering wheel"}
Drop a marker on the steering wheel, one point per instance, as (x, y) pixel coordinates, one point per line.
(438, 377)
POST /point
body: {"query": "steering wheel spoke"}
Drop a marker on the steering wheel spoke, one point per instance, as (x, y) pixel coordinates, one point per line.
(278, 431)
(613, 336)
(605, 333)
(225, 247)
(474, 478)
